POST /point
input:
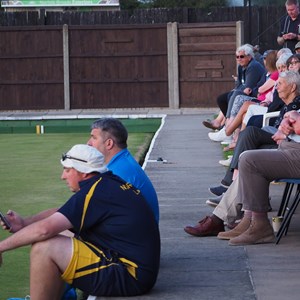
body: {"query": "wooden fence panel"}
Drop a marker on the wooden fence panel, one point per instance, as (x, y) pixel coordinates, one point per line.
(31, 73)
(206, 62)
(261, 24)
(118, 66)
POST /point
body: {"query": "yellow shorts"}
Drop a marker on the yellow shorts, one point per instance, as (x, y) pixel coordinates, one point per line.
(100, 272)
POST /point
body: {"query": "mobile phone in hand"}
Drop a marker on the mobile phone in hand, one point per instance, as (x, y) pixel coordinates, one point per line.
(4, 220)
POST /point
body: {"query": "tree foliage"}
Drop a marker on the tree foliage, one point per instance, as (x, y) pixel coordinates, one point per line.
(134, 4)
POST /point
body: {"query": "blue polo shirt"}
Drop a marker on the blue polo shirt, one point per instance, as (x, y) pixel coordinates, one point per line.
(125, 166)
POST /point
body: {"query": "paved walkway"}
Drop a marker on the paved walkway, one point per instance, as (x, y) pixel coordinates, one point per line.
(207, 268)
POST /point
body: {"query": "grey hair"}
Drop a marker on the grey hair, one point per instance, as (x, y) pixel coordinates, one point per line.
(291, 77)
(291, 2)
(283, 51)
(283, 59)
(115, 129)
(248, 49)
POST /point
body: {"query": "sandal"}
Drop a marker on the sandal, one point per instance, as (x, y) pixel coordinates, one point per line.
(231, 146)
(209, 124)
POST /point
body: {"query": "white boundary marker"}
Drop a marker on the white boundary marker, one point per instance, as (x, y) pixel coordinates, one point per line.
(153, 141)
(18, 117)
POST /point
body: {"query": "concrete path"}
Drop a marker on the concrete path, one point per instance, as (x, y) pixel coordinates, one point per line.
(207, 268)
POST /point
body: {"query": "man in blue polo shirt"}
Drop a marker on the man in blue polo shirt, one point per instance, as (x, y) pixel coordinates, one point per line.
(109, 136)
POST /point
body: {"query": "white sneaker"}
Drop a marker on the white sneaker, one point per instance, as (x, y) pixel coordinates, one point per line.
(219, 136)
(226, 162)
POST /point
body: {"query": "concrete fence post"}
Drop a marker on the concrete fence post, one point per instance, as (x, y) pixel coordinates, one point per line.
(173, 68)
(239, 33)
(67, 105)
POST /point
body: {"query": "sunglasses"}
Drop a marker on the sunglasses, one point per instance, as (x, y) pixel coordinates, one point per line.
(240, 56)
(66, 156)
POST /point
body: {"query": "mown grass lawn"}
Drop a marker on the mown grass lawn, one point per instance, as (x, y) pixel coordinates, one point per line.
(30, 182)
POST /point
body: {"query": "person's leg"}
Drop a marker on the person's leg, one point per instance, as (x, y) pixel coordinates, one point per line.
(249, 139)
(257, 170)
(254, 110)
(227, 209)
(48, 260)
(237, 121)
(227, 180)
(231, 101)
(222, 101)
(216, 123)
(219, 120)
(256, 121)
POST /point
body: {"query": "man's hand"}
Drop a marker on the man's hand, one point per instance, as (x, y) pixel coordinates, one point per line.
(279, 136)
(247, 91)
(286, 126)
(290, 36)
(15, 220)
(291, 123)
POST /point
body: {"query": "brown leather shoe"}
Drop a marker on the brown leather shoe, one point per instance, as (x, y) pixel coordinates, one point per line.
(205, 227)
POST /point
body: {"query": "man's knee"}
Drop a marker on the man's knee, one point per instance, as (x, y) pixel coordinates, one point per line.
(248, 133)
(246, 160)
(40, 248)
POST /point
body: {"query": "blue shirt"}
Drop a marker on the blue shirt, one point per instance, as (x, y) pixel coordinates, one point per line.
(125, 166)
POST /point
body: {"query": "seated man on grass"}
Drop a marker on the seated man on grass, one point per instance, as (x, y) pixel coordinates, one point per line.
(116, 248)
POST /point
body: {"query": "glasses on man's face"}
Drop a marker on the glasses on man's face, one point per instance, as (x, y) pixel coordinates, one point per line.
(294, 63)
(66, 156)
(240, 56)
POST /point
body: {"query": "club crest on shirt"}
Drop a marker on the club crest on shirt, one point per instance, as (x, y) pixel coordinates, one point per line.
(128, 186)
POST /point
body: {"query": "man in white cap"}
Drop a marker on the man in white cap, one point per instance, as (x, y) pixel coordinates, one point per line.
(116, 248)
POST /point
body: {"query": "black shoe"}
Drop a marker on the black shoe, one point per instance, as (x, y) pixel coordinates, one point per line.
(218, 190)
(214, 201)
(225, 183)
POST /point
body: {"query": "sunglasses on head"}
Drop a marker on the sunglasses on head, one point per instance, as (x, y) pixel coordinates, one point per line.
(240, 56)
(66, 156)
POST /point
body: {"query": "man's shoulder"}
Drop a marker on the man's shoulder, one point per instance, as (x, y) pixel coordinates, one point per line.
(123, 156)
(124, 164)
(254, 64)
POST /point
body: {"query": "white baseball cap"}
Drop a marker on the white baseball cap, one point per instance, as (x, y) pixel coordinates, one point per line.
(84, 158)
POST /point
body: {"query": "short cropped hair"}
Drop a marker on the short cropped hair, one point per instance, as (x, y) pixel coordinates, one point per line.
(114, 128)
(291, 77)
(292, 2)
(248, 49)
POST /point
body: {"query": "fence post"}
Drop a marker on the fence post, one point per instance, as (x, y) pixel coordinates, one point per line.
(173, 71)
(67, 105)
(239, 33)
